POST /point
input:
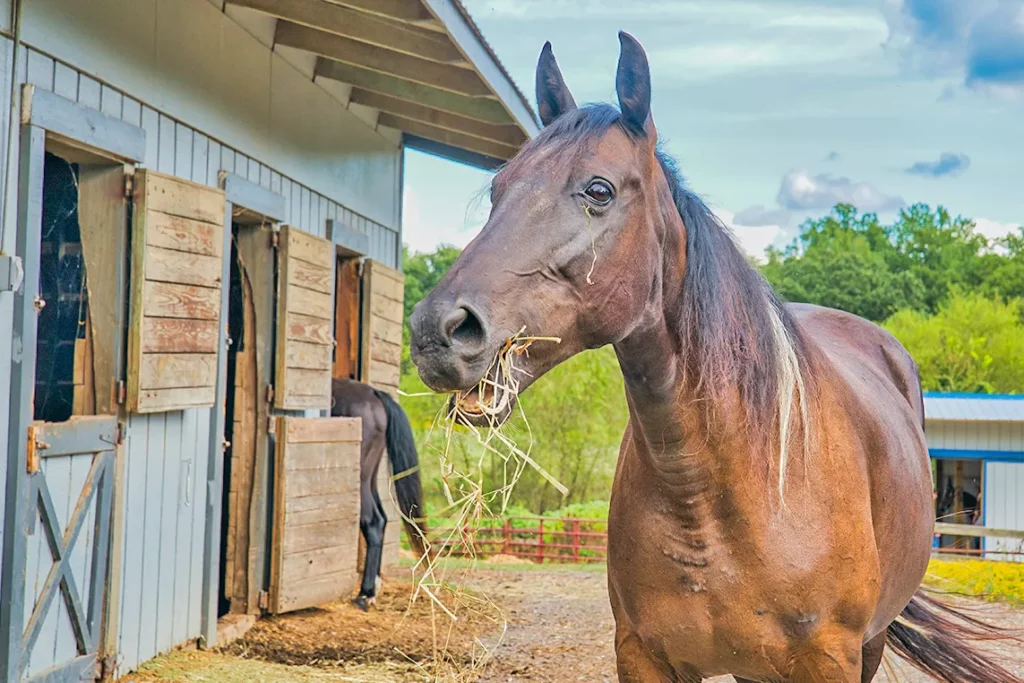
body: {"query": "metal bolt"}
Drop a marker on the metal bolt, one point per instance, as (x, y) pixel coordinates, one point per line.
(39, 303)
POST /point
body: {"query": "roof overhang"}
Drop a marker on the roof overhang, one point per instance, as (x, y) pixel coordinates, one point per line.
(423, 65)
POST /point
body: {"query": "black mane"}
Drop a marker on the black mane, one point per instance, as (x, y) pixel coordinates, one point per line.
(729, 318)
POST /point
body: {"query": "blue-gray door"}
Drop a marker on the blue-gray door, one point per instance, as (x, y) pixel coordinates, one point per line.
(67, 547)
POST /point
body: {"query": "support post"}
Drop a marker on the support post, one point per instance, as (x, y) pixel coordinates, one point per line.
(23, 377)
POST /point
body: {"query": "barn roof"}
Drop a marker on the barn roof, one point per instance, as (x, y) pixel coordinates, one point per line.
(948, 407)
(422, 65)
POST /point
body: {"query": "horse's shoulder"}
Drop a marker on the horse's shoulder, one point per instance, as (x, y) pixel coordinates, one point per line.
(850, 344)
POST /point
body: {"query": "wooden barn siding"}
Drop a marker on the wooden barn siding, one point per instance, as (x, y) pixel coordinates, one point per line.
(166, 453)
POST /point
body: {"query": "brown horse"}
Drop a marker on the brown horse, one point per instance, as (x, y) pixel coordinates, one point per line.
(771, 516)
(385, 427)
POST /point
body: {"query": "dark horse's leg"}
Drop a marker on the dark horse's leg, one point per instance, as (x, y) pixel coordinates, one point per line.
(371, 523)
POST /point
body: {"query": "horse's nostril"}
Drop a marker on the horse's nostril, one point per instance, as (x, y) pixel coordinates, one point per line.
(462, 326)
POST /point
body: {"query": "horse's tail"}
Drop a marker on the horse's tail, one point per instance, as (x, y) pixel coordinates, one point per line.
(405, 471)
(941, 641)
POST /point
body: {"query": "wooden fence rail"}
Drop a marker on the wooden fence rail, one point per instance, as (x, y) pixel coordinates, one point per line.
(540, 539)
(572, 540)
(1013, 546)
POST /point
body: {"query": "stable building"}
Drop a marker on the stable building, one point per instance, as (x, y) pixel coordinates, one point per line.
(200, 227)
(976, 442)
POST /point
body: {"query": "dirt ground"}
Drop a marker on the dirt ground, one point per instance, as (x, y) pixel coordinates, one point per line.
(548, 625)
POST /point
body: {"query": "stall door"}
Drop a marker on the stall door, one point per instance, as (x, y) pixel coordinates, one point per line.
(383, 296)
(316, 511)
(67, 548)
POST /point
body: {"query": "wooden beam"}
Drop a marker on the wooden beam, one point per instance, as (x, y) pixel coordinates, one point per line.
(403, 10)
(360, 26)
(345, 50)
(456, 154)
(423, 130)
(508, 134)
(481, 109)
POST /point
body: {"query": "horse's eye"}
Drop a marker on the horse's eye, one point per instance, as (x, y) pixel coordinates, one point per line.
(599, 191)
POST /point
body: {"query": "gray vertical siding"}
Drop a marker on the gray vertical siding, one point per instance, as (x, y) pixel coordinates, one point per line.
(166, 454)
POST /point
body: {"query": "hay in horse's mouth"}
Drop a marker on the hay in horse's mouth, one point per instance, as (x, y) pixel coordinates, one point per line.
(492, 399)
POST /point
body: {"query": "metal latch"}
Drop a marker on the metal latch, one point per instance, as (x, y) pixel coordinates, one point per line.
(11, 273)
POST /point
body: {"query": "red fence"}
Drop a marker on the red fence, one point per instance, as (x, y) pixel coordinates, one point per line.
(536, 538)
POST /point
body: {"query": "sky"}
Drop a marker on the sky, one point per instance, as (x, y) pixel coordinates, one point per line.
(775, 110)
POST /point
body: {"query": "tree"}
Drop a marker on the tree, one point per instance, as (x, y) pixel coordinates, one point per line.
(843, 261)
(972, 344)
(422, 273)
(855, 263)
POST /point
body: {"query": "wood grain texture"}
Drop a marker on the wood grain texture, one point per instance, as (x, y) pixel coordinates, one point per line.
(103, 223)
(181, 267)
(346, 320)
(167, 300)
(305, 302)
(308, 356)
(178, 370)
(163, 400)
(309, 276)
(176, 335)
(181, 198)
(382, 327)
(183, 234)
(316, 511)
(175, 293)
(324, 430)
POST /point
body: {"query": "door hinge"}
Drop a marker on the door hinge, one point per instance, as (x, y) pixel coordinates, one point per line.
(129, 185)
(32, 452)
(122, 392)
(270, 393)
(263, 600)
(275, 239)
(119, 435)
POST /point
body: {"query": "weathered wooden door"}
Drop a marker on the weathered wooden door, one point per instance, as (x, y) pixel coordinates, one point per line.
(67, 547)
(383, 297)
(316, 511)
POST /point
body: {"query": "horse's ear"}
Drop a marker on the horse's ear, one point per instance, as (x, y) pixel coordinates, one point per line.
(633, 86)
(553, 97)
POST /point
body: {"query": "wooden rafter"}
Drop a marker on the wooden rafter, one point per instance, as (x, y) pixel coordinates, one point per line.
(345, 50)
(366, 28)
(504, 134)
(481, 109)
(447, 137)
(403, 10)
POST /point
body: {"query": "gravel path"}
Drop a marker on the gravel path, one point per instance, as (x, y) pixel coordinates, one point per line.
(561, 629)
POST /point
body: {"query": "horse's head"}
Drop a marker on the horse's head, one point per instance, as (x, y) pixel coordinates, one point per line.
(569, 249)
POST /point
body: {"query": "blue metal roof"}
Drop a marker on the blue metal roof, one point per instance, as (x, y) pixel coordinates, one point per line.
(974, 407)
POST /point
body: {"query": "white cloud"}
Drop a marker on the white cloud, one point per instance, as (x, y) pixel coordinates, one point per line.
(994, 229)
(753, 240)
(800, 191)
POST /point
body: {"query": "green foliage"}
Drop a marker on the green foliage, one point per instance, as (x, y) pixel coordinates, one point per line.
(972, 344)
(855, 263)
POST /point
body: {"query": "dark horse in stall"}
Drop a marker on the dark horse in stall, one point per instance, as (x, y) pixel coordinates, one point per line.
(771, 515)
(385, 427)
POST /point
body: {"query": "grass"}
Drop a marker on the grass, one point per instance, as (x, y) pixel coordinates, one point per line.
(449, 563)
(992, 581)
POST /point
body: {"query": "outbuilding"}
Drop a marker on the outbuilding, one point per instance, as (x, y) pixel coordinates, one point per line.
(201, 226)
(976, 442)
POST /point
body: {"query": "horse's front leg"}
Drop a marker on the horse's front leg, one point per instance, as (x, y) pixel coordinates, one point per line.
(371, 523)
